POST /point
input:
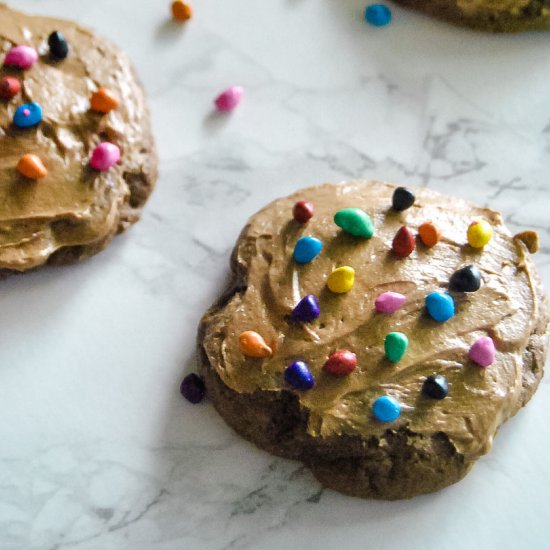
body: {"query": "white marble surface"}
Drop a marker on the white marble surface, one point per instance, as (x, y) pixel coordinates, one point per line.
(97, 448)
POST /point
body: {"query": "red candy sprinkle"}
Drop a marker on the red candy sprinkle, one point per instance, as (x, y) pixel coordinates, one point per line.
(403, 242)
(341, 363)
(9, 87)
(302, 211)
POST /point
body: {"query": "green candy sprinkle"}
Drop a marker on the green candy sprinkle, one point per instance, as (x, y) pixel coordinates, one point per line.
(354, 221)
(395, 346)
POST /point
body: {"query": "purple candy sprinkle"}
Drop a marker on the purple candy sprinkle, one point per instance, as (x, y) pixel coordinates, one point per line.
(192, 388)
(307, 309)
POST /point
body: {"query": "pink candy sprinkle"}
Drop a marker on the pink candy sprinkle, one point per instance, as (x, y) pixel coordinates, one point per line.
(229, 99)
(104, 156)
(388, 302)
(482, 351)
(23, 57)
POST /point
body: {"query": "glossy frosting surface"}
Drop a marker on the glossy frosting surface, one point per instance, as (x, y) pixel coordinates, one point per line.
(73, 205)
(505, 308)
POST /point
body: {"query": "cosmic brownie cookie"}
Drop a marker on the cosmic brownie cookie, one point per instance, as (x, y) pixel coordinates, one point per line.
(488, 15)
(77, 158)
(379, 337)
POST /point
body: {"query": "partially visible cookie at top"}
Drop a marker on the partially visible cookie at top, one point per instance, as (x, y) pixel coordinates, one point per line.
(77, 156)
(379, 334)
(488, 15)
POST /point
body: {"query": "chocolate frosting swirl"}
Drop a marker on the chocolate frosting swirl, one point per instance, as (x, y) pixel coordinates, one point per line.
(506, 308)
(73, 205)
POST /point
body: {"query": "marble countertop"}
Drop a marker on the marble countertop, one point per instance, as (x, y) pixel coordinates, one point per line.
(97, 448)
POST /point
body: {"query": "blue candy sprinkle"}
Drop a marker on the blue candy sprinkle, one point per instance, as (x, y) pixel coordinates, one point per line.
(306, 310)
(298, 376)
(386, 408)
(378, 15)
(306, 249)
(440, 306)
(29, 114)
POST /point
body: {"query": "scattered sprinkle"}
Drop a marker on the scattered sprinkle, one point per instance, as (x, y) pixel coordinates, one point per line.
(479, 233)
(341, 363)
(229, 99)
(23, 57)
(103, 101)
(395, 346)
(354, 221)
(389, 302)
(59, 49)
(402, 197)
(32, 167)
(466, 279)
(386, 408)
(181, 11)
(298, 376)
(436, 386)
(403, 243)
(193, 388)
(306, 249)
(429, 234)
(483, 351)
(9, 87)
(440, 306)
(104, 156)
(303, 211)
(341, 279)
(378, 15)
(307, 309)
(27, 115)
(252, 344)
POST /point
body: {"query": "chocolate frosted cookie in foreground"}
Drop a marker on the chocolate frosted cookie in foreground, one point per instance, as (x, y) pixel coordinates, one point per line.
(488, 15)
(382, 339)
(77, 158)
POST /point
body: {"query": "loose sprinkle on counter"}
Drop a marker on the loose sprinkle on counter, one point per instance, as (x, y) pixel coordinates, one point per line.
(104, 156)
(386, 408)
(479, 233)
(483, 351)
(192, 388)
(181, 11)
(252, 344)
(389, 302)
(341, 279)
(229, 99)
(378, 15)
(307, 309)
(299, 376)
(341, 363)
(403, 243)
(440, 306)
(303, 211)
(32, 167)
(306, 249)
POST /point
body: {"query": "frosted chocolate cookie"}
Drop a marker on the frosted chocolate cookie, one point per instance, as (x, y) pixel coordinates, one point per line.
(488, 15)
(381, 335)
(77, 158)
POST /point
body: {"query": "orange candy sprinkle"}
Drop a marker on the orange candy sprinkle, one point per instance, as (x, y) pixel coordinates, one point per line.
(104, 101)
(181, 11)
(253, 345)
(32, 167)
(429, 234)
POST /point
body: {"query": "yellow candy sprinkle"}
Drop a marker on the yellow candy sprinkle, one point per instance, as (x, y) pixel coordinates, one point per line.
(341, 279)
(479, 233)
